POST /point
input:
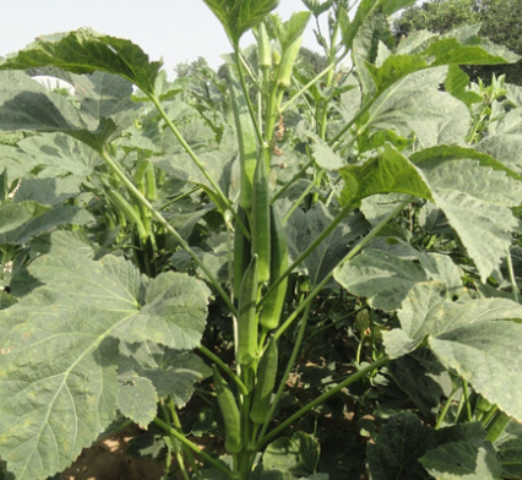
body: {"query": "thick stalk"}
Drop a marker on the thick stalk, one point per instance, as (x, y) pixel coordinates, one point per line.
(161, 219)
(185, 441)
(354, 251)
(321, 399)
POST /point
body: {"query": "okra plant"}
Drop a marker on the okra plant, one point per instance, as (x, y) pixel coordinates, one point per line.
(316, 272)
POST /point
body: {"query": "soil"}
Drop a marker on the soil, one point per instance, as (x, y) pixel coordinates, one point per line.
(108, 460)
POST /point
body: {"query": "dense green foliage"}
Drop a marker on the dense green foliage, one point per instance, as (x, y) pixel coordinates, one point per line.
(501, 22)
(276, 273)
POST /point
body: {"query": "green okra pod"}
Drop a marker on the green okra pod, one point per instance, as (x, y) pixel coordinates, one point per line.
(242, 252)
(261, 222)
(247, 316)
(266, 376)
(274, 303)
(230, 412)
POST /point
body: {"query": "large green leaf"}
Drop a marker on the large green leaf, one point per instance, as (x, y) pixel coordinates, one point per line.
(57, 154)
(172, 372)
(389, 172)
(384, 279)
(21, 221)
(505, 148)
(59, 357)
(400, 444)
(462, 461)
(404, 443)
(415, 103)
(509, 447)
(290, 458)
(86, 51)
(471, 337)
(478, 210)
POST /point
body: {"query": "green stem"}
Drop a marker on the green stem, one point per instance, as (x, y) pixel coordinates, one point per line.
(304, 89)
(467, 405)
(445, 409)
(177, 424)
(289, 367)
(190, 152)
(344, 211)
(354, 251)
(185, 441)
(321, 399)
(514, 286)
(161, 219)
(294, 179)
(307, 190)
(247, 96)
(205, 351)
(349, 125)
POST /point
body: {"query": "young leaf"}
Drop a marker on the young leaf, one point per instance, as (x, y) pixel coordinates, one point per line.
(239, 16)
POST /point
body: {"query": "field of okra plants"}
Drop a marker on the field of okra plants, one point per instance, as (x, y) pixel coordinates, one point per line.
(275, 273)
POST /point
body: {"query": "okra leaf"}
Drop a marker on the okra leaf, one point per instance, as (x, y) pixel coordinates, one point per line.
(86, 51)
(509, 448)
(15, 162)
(21, 221)
(415, 103)
(172, 372)
(291, 458)
(399, 445)
(27, 105)
(505, 148)
(47, 191)
(57, 154)
(383, 278)
(479, 211)
(137, 399)
(389, 172)
(472, 337)
(457, 460)
(59, 355)
(237, 17)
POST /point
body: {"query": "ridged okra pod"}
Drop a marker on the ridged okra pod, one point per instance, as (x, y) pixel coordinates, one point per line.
(274, 303)
(260, 226)
(247, 142)
(247, 316)
(242, 252)
(230, 412)
(266, 375)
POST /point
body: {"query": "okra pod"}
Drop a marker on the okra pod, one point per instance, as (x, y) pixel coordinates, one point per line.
(274, 303)
(264, 49)
(230, 413)
(266, 376)
(128, 211)
(247, 316)
(247, 142)
(261, 222)
(242, 252)
(284, 74)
